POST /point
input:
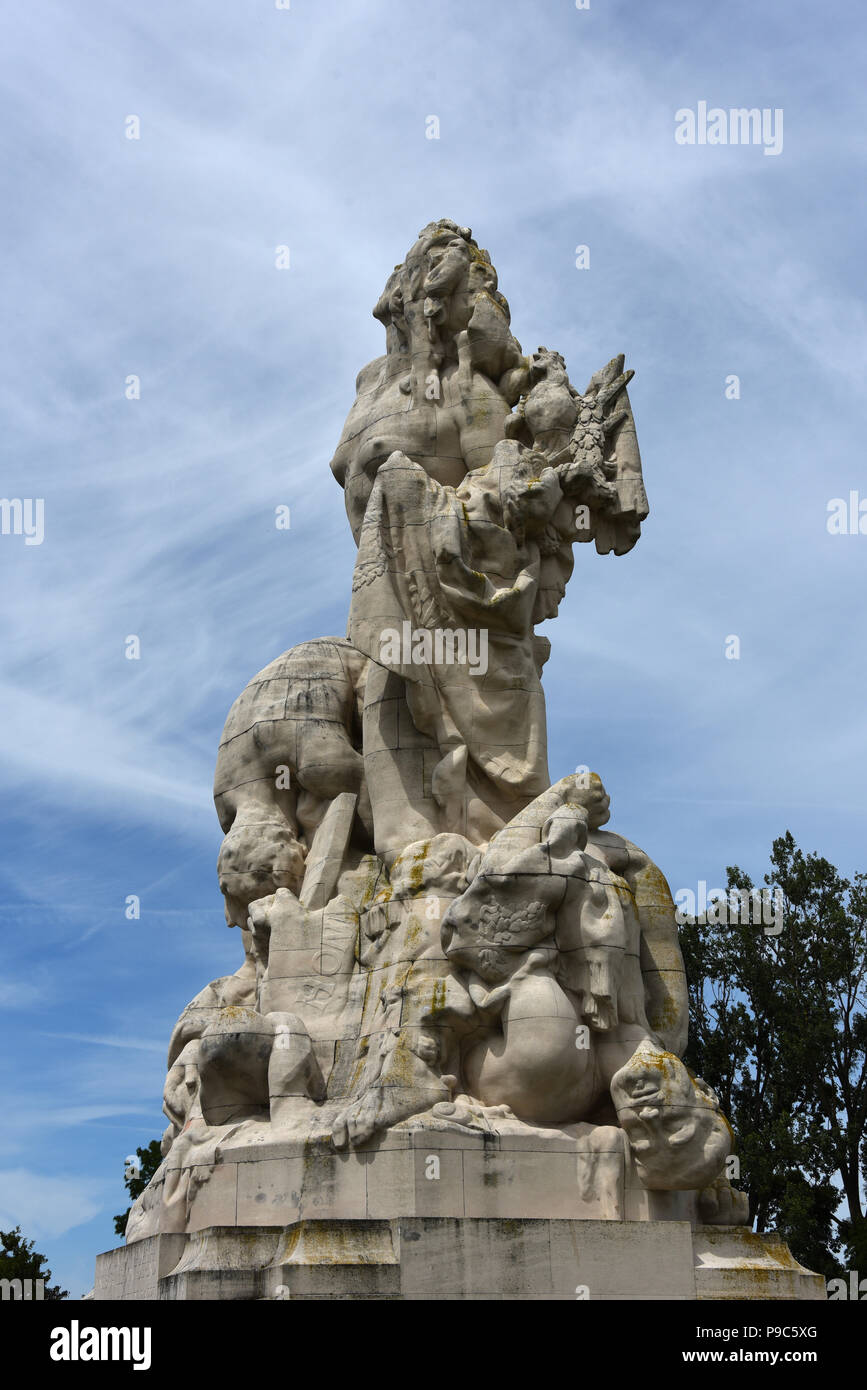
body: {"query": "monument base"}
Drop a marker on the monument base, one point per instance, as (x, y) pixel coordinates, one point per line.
(458, 1258)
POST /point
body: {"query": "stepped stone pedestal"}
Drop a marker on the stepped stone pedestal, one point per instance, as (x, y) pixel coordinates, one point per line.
(436, 1257)
(429, 1216)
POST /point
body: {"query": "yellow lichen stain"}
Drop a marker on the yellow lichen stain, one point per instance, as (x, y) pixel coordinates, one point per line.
(666, 1015)
(413, 932)
(234, 1013)
(358, 1071)
(402, 1065)
(416, 873)
(658, 1060)
(651, 876)
(438, 996)
(374, 873)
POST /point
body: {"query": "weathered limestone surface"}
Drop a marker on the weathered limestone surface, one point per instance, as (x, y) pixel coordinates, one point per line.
(451, 1056)
(435, 1258)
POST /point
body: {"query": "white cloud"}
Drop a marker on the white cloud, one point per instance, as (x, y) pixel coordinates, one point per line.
(23, 995)
(46, 1205)
(135, 1044)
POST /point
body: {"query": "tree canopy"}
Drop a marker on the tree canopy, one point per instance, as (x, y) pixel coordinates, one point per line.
(778, 1027)
(20, 1260)
(150, 1160)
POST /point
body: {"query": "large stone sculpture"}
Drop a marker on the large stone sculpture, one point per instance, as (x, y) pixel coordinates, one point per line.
(446, 957)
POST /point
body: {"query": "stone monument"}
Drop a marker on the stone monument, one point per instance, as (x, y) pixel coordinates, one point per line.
(449, 1065)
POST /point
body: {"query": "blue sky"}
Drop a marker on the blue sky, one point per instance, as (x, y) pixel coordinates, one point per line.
(156, 257)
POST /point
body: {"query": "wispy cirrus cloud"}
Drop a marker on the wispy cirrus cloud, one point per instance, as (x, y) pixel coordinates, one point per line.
(135, 1044)
(46, 1205)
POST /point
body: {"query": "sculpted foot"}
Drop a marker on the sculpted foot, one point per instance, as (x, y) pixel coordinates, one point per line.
(722, 1205)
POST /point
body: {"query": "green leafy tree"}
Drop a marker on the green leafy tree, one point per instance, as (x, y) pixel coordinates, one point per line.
(19, 1260)
(778, 1027)
(150, 1160)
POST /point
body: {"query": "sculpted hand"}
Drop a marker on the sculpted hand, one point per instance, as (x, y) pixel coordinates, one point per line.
(532, 496)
